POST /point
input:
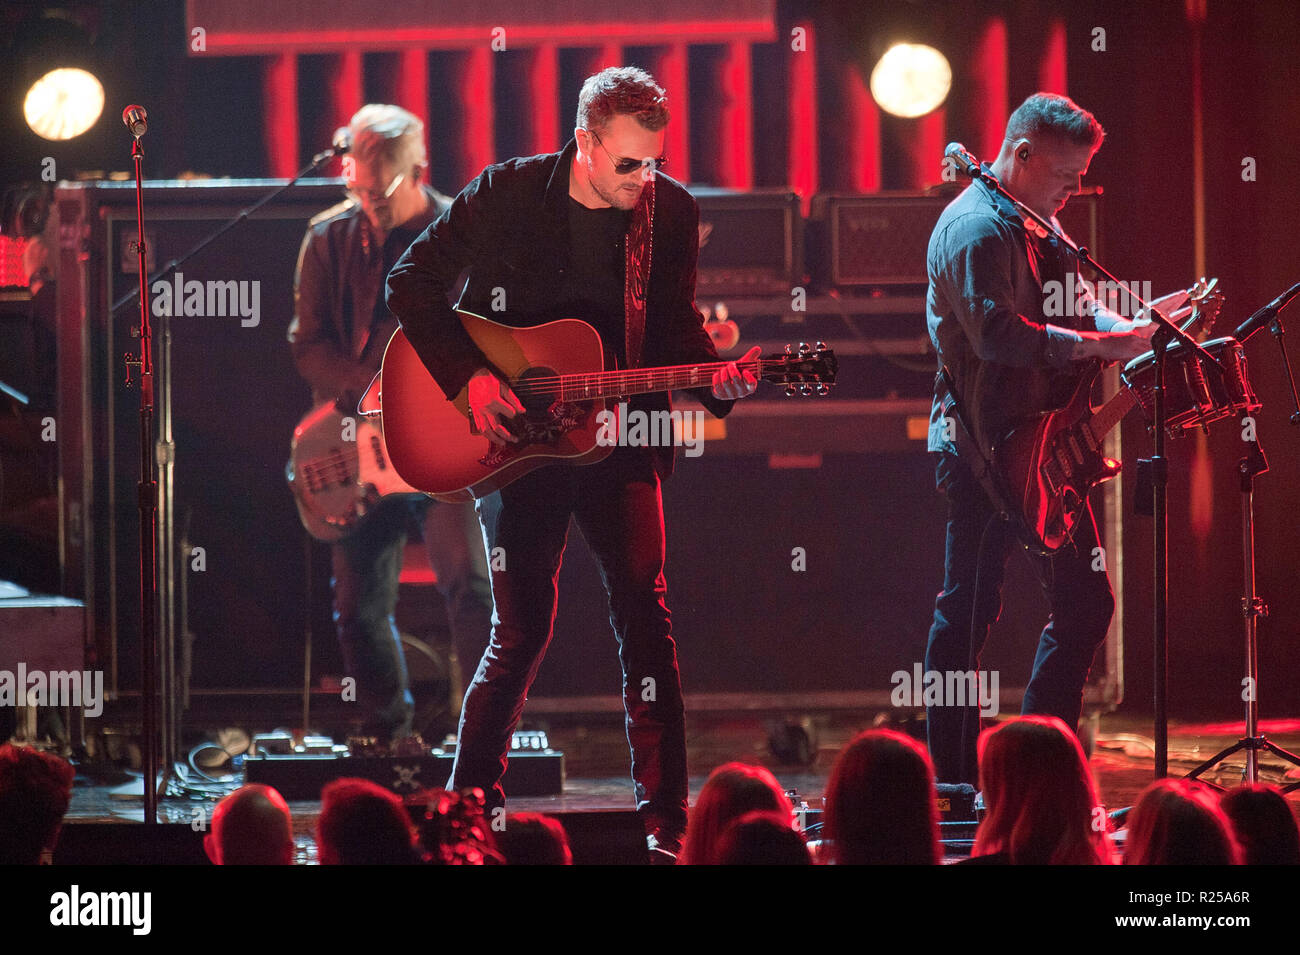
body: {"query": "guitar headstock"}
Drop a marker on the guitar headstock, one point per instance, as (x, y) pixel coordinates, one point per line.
(1206, 300)
(810, 370)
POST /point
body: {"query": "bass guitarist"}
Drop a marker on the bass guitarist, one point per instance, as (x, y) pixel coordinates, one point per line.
(1009, 362)
(339, 331)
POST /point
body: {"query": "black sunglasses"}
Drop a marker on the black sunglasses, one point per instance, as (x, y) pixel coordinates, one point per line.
(624, 166)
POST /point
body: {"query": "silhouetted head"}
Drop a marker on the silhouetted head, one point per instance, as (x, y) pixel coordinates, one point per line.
(35, 789)
(1264, 825)
(762, 838)
(1042, 801)
(251, 826)
(880, 803)
(529, 838)
(730, 791)
(363, 824)
(1179, 822)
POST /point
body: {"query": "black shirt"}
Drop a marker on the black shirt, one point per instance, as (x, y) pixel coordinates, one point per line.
(593, 289)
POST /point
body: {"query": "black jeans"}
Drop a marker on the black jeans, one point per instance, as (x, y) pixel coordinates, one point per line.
(618, 508)
(1081, 604)
(367, 567)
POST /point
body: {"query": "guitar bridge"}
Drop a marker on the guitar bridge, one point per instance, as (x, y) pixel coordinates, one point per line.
(547, 428)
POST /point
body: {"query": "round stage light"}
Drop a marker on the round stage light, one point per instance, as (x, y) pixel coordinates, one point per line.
(910, 80)
(63, 103)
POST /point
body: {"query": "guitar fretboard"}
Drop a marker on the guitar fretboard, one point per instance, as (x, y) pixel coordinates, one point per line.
(636, 381)
(1110, 414)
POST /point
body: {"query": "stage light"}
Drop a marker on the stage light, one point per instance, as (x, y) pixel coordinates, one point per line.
(910, 80)
(63, 103)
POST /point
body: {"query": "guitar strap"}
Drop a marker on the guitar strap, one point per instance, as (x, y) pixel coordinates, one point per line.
(965, 439)
(636, 271)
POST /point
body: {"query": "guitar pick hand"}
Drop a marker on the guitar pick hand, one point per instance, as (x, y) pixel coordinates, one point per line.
(491, 401)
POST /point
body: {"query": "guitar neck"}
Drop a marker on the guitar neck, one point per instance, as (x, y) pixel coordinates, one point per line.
(1111, 413)
(635, 381)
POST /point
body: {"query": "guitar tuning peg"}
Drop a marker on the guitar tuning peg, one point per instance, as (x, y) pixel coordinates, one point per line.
(803, 348)
(805, 390)
(789, 391)
(820, 346)
(789, 350)
(823, 389)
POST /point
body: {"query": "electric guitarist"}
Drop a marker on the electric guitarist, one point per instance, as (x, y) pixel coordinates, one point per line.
(1009, 361)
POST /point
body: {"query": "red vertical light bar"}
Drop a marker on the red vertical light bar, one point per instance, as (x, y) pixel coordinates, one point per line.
(988, 83)
(923, 142)
(280, 114)
(592, 61)
(344, 91)
(1051, 66)
(345, 87)
(477, 145)
(412, 86)
(863, 134)
(802, 118)
(544, 85)
(611, 54)
(669, 65)
(736, 169)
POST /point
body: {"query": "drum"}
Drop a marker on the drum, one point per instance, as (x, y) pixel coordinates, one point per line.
(1196, 392)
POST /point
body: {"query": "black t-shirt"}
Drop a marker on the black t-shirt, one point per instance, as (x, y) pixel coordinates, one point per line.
(593, 288)
(397, 242)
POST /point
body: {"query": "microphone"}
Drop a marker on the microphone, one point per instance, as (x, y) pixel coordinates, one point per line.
(340, 145)
(962, 160)
(136, 120)
(1265, 315)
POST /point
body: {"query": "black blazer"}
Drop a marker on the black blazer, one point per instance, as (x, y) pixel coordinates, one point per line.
(510, 227)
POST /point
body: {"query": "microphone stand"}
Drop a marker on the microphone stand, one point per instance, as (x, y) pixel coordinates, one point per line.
(147, 495)
(157, 493)
(1253, 606)
(1165, 334)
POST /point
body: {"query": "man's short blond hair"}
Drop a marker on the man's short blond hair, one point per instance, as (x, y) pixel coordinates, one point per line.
(381, 132)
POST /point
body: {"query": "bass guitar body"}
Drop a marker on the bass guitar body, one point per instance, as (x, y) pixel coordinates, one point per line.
(339, 470)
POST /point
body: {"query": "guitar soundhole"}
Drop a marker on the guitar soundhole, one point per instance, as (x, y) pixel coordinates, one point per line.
(532, 391)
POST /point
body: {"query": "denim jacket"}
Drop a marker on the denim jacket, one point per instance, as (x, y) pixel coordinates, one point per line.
(984, 312)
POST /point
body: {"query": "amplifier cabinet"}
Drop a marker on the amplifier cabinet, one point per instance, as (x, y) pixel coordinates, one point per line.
(236, 397)
(881, 240)
(751, 243)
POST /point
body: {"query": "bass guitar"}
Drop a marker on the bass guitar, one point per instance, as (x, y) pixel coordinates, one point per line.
(338, 470)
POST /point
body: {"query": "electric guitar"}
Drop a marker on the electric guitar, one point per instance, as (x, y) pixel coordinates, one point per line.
(557, 371)
(1044, 470)
(338, 470)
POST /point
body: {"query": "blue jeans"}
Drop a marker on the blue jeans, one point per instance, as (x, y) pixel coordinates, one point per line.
(618, 508)
(1081, 604)
(367, 567)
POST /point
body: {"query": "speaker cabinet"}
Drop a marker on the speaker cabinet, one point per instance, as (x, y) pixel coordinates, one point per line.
(236, 397)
